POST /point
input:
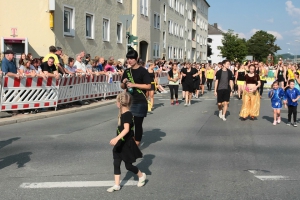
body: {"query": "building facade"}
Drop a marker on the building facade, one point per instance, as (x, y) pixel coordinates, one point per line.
(215, 36)
(169, 29)
(92, 26)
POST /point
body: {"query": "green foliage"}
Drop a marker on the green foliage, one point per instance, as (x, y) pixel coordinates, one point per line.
(234, 48)
(261, 44)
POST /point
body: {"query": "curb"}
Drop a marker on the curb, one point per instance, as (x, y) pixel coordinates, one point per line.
(11, 120)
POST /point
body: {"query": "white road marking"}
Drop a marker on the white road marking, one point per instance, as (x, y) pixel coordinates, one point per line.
(253, 171)
(274, 178)
(74, 184)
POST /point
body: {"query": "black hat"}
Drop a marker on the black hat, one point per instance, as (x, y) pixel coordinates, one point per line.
(9, 52)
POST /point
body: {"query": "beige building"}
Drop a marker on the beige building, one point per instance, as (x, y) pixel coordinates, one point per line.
(93, 26)
(171, 29)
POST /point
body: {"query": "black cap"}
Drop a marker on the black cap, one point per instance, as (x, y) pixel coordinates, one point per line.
(9, 52)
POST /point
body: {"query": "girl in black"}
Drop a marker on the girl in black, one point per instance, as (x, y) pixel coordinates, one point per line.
(281, 75)
(188, 85)
(203, 78)
(137, 81)
(125, 148)
(152, 74)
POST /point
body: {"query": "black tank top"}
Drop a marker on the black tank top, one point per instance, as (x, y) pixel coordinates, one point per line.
(280, 72)
(152, 76)
(241, 76)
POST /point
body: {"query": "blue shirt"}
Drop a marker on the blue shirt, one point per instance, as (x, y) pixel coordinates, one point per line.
(291, 94)
(100, 67)
(276, 96)
(8, 66)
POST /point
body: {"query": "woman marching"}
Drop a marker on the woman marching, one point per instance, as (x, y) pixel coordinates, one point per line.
(203, 78)
(276, 94)
(263, 72)
(173, 77)
(240, 79)
(188, 85)
(209, 77)
(125, 148)
(281, 74)
(136, 80)
(251, 98)
(150, 93)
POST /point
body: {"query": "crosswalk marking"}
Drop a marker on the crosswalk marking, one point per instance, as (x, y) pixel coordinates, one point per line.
(74, 184)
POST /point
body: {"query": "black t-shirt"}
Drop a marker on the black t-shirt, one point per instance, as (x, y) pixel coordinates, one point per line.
(47, 68)
(189, 75)
(126, 117)
(140, 76)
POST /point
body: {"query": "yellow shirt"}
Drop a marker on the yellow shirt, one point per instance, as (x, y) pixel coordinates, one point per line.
(210, 74)
(290, 74)
(263, 74)
(56, 62)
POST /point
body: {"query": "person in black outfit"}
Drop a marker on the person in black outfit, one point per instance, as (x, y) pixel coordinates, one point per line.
(150, 93)
(137, 81)
(189, 74)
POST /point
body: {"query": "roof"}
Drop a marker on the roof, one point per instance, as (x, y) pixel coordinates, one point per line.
(206, 3)
(213, 30)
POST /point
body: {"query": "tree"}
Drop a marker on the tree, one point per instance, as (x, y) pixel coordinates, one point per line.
(261, 44)
(209, 50)
(234, 48)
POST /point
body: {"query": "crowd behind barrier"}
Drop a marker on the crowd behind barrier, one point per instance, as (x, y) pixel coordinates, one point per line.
(35, 93)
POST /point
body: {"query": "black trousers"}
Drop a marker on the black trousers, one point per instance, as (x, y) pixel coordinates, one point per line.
(209, 84)
(138, 127)
(292, 110)
(129, 167)
(261, 89)
(174, 89)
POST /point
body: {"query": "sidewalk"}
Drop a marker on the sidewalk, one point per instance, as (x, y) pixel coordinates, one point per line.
(29, 117)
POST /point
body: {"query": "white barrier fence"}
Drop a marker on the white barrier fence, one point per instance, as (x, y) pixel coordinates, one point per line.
(33, 93)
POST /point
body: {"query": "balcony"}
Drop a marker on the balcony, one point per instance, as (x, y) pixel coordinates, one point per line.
(194, 44)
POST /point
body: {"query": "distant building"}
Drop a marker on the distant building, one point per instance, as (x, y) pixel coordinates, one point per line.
(215, 36)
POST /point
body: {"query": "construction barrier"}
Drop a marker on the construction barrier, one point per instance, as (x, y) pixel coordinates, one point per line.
(34, 93)
(28, 93)
(163, 78)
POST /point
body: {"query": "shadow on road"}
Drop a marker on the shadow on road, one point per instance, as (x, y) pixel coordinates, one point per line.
(158, 105)
(271, 119)
(150, 137)
(8, 142)
(20, 159)
(144, 166)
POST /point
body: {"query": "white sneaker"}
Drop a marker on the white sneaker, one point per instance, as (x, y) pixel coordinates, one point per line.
(142, 180)
(185, 104)
(113, 188)
(220, 114)
(188, 104)
(223, 117)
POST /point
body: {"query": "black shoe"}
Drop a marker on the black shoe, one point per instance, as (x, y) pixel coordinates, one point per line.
(183, 99)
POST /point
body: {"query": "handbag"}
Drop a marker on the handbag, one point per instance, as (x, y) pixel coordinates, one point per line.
(140, 91)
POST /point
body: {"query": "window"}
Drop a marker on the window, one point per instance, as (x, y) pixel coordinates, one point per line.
(144, 7)
(156, 21)
(164, 39)
(170, 52)
(170, 27)
(89, 22)
(69, 21)
(170, 3)
(119, 33)
(105, 30)
(155, 50)
(165, 13)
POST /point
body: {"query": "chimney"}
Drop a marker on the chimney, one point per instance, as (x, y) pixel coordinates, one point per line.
(215, 25)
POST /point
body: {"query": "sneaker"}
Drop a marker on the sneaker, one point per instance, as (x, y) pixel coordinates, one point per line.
(142, 180)
(295, 124)
(185, 104)
(172, 104)
(188, 104)
(274, 123)
(288, 124)
(220, 114)
(113, 188)
(183, 99)
(223, 117)
(278, 120)
(177, 103)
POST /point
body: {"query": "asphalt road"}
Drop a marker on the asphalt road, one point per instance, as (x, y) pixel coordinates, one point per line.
(189, 153)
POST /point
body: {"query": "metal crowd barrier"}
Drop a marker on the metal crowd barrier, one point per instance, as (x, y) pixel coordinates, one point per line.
(34, 93)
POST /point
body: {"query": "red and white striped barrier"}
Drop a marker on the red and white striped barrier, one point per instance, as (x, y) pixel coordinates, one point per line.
(28, 93)
(70, 89)
(95, 87)
(113, 87)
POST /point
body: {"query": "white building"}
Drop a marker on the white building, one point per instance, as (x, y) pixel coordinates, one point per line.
(215, 36)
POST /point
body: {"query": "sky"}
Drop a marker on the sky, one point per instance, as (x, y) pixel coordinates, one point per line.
(278, 17)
